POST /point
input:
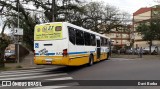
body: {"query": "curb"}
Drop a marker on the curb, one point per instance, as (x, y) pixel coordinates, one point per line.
(28, 68)
(23, 68)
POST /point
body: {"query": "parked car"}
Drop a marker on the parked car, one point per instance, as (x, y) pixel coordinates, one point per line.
(131, 51)
(114, 51)
(10, 54)
(154, 50)
(128, 51)
(122, 51)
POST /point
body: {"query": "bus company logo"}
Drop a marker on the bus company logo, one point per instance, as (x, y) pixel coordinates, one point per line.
(6, 83)
(38, 30)
(44, 29)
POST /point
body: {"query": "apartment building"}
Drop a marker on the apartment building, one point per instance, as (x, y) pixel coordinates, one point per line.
(120, 36)
(143, 15)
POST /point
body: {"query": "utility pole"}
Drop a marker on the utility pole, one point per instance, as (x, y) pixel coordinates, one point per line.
(17, 42)
(53, 10)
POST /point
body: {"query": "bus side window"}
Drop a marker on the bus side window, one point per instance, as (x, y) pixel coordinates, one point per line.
(72, 35)
(102, 41)
(87, 38)
(106, 42)
(79, 37)
(93, 40)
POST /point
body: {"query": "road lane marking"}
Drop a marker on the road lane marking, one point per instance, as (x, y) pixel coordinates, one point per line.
(63, 78)
(31, 77)
(28, 71)
(120, 59)
(13, 75)
(21, 71)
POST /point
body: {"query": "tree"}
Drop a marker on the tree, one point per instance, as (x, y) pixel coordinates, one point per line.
(150, 31)
(94, 15)
(4, 41)
(14, 9)
(102, 18)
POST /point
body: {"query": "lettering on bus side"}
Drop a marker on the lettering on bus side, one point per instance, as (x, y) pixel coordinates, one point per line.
(43, 52)
(58, 53)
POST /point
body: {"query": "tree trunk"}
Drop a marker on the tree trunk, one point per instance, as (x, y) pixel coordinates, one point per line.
(53, 10)
(2, 65)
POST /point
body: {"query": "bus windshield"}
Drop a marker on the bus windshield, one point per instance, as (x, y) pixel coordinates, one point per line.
(48, 32)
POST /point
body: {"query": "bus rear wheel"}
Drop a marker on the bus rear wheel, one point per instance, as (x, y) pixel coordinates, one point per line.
(91, 60)
(108, 56)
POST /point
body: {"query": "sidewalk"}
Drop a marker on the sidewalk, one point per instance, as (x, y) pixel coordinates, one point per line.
(136, 56)
(27, 63)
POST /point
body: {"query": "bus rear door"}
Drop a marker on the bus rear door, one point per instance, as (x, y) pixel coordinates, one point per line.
(98, 47)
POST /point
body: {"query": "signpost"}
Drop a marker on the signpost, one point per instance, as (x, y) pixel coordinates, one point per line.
(18, 32)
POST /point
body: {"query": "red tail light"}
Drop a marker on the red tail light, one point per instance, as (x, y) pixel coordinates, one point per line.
(65, 52)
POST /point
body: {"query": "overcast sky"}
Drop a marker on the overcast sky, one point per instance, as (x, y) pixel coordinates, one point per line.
(129, 5)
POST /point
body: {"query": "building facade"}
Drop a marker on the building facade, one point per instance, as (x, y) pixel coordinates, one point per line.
(120, 36)
(143, 15)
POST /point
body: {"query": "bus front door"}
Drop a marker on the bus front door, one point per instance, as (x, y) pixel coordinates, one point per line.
(98, 49)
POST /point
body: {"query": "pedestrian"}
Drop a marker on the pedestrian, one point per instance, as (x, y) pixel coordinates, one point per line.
(138, 51)
(141, 52)
(119, 52)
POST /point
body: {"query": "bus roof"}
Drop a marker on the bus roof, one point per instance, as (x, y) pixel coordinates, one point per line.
(72, 25)
(86, 30)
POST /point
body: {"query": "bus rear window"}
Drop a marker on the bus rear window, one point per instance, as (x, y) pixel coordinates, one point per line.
(48, 32)
(58, 28)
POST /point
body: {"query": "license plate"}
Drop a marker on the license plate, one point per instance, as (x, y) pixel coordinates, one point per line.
(48, 60)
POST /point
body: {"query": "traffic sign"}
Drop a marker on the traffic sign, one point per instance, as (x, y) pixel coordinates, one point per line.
(18, 31)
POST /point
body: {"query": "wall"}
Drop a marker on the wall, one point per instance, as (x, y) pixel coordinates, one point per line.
(22, 52)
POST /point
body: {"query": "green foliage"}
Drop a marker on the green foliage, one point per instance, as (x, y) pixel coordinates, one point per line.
(3, 44)
(19, 66)
(5, 68)
(150, 31)
(93, 15)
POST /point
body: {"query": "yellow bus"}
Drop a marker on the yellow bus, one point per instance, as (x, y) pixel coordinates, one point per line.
(62, 43)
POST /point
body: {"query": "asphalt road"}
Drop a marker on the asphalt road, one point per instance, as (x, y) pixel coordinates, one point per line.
(72, 77)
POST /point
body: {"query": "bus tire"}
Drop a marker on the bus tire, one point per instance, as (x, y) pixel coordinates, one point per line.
(91, 60)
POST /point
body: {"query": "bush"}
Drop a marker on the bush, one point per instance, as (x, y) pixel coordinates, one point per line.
(19, 66)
